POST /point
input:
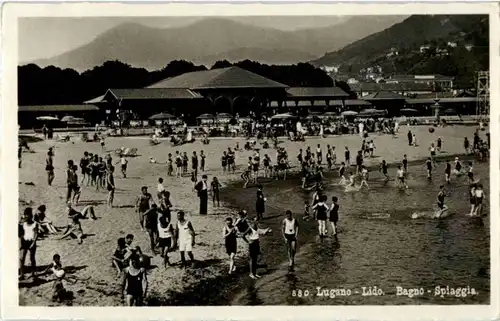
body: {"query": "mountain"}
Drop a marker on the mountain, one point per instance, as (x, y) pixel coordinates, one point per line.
(211, 39)
(405, 36)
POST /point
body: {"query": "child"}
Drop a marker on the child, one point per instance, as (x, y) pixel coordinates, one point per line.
(229, 235)
(307, 208)
(170, 165)
(118, 258)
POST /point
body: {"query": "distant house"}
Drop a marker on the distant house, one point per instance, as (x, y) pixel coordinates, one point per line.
(469, 47)
(329, 69)
(406, 89)
(452, 44)
(437, 81)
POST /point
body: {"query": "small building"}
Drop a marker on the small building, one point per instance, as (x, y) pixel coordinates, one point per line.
(452, 44)
(424, 48)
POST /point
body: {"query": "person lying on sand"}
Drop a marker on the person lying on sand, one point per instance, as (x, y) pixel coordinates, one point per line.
(89, 209)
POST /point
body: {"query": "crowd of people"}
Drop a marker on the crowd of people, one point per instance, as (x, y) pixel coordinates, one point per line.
(166, 236)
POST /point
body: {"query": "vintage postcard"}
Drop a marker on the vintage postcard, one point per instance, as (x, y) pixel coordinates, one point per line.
(256, 161)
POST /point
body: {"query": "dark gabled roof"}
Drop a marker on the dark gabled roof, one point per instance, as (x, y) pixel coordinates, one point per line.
(232, 77)
(57, 108)
(384, 95)
(153, 93)
(371, 87)
(316, 92)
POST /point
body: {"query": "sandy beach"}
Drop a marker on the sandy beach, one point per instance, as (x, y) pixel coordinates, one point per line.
(92, 259)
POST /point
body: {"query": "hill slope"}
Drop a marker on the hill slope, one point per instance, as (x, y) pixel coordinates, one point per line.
(405, 36)
(208, 40)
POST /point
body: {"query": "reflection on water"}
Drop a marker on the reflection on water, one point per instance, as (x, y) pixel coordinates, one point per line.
(387, 238)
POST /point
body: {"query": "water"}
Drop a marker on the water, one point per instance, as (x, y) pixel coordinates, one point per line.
(387, 238)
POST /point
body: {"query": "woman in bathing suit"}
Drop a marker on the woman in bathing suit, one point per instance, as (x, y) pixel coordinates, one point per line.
(290, 229)
(134, 283)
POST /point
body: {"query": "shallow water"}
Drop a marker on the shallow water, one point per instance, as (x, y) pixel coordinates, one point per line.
(387, 238)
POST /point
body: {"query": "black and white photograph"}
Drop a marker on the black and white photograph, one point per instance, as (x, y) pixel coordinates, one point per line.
(251, 159)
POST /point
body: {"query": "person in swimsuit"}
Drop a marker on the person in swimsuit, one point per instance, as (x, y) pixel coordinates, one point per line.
(439, 144)
(230, 160)
(150, 219)
(321, 209)
(165, 234)
(347, 156)
(479, 200)
(74, 230)
(384, 170)
(466, 146)
(260, 207)
(134, 283)
(401, 177)
(49, 167)
(229, 235)
(251, 237)
(267, 165)
(223, 160)
(371, 147)
(89, 209)
(215, 186)
(364, 177)
(447, 172)
(319, 154)
(118, 257)
(246, 174)
(255, 169)
(470, 173)
(44, 225)
(110, 185)
(143, 204)
(334, 215)
(84, 164)
(170, 165)
(185, 236)
(341, 174)
(440, 203)
(178, 164)
(123, 163)
(185, 163)
(432, 150)
(428, 164)
(458, 167)
(472, 199)
(202, 161)
(405, 165)
(307, 211)
(29, 236)
(290, 230)
(300, 157)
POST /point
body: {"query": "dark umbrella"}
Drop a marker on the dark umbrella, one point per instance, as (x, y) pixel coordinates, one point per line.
(162, 116)
(205, 116)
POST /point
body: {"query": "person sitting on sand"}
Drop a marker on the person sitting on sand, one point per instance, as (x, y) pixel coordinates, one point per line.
(44, 225)
(74, 229)
(89, 209)
(59, 292)
(118, 259)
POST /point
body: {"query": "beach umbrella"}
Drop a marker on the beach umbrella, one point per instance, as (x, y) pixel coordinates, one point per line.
(162, 116)
(330, 114)
(283, 116)
(205, 116)
(224, 115)
(47, 118)
(349, 113)
(408, 110)
(450, 111)
(370, 112)
(67, 118)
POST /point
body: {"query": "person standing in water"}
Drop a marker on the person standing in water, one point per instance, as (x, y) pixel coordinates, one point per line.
(341, 174)
(215, 187)
(472, 199)
(334, 215)
(143, 204)
(447, 172)
(321, 209)
(260, 204)
(470, 173)
(479, 200)
(384, 170)
(401, 178)
(290, 230)
(364, 177)
(440, 203)
(428, 164)
(229, 235)
(347, 156)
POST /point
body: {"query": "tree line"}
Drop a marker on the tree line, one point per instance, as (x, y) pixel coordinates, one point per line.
(53, 85)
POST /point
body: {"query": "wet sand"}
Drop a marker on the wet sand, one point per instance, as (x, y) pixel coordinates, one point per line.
(174, 285)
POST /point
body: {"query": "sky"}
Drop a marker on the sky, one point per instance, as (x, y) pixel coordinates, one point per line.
(47, 37)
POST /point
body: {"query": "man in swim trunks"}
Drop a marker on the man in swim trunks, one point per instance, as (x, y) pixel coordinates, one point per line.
(142, 204)
(428, 164)
(401, 178)
(334, 215)
(364, 176)
(447, 172)
(290, 230)
(440, 203)
(383, 169)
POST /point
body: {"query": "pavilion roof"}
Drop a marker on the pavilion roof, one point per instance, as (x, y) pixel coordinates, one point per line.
(56, 108)
(321, 103)
(153, 93)
(231, 77)
(317, 92)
